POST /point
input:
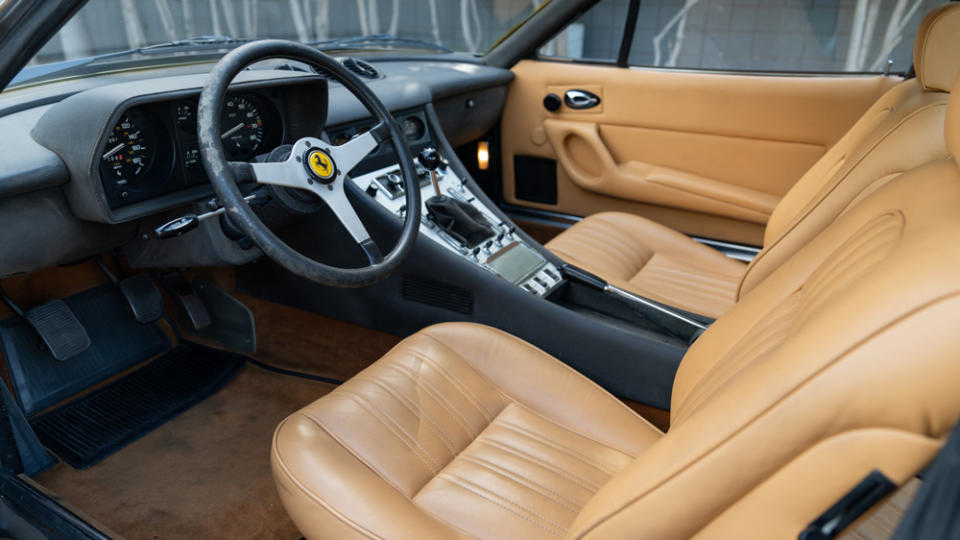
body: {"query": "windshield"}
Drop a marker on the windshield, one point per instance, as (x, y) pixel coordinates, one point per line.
(109, 26)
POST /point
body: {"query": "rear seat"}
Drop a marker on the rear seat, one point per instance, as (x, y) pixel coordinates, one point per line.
(902, 130)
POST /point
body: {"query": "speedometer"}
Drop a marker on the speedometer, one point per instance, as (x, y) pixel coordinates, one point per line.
(129, 152)
(241, 127)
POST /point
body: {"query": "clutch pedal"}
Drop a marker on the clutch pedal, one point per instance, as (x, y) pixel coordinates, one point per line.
(58, 327)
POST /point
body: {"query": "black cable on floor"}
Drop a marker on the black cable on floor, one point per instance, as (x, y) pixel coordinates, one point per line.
(292, 373)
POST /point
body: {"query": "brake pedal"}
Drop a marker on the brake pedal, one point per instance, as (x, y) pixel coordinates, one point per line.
(141, 293)
(143, 296)
(59, 329)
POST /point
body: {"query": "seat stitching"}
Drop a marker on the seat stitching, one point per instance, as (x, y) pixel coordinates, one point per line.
(582, 482)
(564, 367)
(604, 244)
(362, 401)
(439, 398)
(545, 523)
(577, 433)
(437, 394)
(419, 412)
(529, 484)
(572, 453)
(488, 415)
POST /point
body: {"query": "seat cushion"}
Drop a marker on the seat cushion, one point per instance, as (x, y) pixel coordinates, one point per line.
(653, 261)
(460, 431)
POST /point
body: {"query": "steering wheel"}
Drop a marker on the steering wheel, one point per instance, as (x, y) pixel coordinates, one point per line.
(314, 165)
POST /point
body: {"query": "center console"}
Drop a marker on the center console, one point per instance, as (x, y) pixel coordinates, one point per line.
(480, 270)
(501, 252)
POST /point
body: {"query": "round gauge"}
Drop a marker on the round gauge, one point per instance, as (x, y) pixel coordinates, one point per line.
(130, 149)
(187, 116)
(241, 128)
(413, 128)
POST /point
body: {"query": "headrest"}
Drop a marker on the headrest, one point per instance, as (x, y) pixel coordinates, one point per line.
(953, 122)
(936, 50)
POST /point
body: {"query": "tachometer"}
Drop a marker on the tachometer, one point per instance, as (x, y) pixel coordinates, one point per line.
(129, 152)
(242, 128)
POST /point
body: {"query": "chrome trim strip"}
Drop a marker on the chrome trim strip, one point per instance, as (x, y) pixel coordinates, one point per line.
(739, 252)
(639, 299)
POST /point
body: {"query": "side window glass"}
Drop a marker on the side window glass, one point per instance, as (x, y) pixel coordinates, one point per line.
(817, 36)
(595, 36)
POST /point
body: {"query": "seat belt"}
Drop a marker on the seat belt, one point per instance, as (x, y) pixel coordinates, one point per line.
(935, 511)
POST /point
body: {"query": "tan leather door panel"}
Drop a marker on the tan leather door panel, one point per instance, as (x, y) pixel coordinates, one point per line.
(708, 154)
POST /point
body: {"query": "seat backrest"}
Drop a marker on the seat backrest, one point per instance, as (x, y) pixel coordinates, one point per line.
(902, 130)
(844, 360)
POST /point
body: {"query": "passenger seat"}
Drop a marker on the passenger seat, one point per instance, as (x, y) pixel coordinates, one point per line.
(902, 130)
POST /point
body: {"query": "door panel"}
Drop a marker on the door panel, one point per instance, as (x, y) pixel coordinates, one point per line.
(708, 154)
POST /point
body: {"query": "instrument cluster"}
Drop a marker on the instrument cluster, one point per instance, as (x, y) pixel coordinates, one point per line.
(153, 148)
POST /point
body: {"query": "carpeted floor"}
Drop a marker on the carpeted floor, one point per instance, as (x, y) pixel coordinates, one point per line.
(205, 474)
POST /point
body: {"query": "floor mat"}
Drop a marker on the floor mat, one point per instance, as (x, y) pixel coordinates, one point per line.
(88, 429)
(204, 474)
(118, 342)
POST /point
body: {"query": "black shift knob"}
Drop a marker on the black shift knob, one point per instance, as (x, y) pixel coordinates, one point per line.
(429, 158)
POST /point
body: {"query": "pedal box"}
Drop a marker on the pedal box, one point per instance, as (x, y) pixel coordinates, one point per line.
(59, 329)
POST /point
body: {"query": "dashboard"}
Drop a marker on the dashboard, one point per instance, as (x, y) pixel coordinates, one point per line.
(96, 163)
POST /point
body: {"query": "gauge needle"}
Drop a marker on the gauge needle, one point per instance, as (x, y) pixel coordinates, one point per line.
(231, 131)
(114, 150)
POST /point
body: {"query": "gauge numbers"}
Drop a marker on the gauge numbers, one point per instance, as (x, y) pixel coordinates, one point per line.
(129, 150)
(241, 127)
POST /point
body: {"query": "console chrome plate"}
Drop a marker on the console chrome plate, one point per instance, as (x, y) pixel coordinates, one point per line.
(540, 282)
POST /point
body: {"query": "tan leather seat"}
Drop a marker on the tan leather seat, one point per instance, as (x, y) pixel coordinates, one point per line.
(902, 130)
(841, 361)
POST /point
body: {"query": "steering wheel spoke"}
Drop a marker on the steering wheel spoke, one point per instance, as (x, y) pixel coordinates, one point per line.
(349, 154)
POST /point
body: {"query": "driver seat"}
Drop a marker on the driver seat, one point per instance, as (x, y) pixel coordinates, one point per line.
(841, 362)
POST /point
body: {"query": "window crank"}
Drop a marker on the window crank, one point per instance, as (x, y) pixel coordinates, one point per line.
(189, 222)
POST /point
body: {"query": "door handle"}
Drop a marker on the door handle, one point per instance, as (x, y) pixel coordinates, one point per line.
(580, 99)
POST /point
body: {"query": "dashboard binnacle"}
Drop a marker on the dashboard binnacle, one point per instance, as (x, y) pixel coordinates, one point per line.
(153, 149)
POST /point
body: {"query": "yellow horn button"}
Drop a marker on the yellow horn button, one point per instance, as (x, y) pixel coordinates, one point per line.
(321, 164)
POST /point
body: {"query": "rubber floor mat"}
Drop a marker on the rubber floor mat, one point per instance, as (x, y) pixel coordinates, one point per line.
(118, 343)
(92, 427)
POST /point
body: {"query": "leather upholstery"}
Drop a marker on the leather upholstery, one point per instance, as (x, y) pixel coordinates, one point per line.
(936, 46)
(842, 361)
(902, 130)
(681, 135)
(456, 431)
(664, 265)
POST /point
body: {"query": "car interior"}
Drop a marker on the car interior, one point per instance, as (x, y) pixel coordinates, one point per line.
(271, 288)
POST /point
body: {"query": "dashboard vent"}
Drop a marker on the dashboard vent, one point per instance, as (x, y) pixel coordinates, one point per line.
(361, 68)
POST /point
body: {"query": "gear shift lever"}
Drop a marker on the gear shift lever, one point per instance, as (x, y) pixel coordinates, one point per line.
(430, 160)
(459, 219)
